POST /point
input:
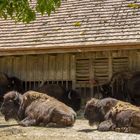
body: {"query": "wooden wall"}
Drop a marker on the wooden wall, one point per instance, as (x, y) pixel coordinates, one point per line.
(101, 65)
(80, 68)
(52, 68)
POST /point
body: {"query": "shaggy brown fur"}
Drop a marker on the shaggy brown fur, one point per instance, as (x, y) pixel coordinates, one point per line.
(112, 114)
(124, 86)
(118, 83)
(34, 108)
(68, 96)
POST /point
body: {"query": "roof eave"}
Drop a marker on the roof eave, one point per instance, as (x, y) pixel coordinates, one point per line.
(68, 49)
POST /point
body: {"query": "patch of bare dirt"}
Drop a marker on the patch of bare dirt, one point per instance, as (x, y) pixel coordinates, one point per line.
(80, 131)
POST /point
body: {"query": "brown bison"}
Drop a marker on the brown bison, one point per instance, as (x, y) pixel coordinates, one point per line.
(8, 84)
(5, 85)
(119, 85)
(123, 86)
(34, 108)
(133, 88)
(69, 97)
(113, 115)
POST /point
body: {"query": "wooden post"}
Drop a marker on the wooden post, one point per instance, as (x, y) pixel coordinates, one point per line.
(110, 65)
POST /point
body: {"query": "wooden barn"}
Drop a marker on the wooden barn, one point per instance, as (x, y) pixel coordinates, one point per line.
(81, 42)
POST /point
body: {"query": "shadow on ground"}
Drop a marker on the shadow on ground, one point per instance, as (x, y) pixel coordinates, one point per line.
(8, 125)
(87, 130)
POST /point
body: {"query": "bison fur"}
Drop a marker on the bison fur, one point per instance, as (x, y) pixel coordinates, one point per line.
(69, 97)
(34, 109)
(113, 115)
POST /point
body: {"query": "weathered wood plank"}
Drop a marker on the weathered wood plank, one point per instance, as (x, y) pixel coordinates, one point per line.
(59, 64)
(30, 67)
(73, 71)
(16, 66)
(52, 63)
(8, 65)
(66, 67)
(46, 67)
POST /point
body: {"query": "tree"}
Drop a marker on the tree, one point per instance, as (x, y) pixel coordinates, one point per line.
(22, 10)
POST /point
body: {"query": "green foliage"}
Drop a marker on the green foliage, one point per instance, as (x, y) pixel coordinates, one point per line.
(47, 6)
(134, 5)
(21, 10)
(77, 23)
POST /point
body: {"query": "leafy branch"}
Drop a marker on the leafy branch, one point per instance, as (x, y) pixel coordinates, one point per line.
(21, 10)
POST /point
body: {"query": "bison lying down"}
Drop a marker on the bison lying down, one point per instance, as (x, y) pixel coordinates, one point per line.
(69, 97)
(34, 108)
(112, 114)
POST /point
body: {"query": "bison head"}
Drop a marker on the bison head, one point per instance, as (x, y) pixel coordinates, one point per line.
(96, 110)
(92, 111)
(10, 105)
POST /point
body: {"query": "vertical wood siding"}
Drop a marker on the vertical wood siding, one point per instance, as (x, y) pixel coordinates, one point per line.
(55, 68)
(78, 69)
(101, 66)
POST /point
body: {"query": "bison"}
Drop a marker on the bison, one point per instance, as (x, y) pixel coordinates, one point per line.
(133, 88)
(5, 85)
(116, 87)
(69, 97)
(123, 86)
(113, 115)
(53, 90)
(8, 84)
(34, 108)
(16, 84)
(119, 85)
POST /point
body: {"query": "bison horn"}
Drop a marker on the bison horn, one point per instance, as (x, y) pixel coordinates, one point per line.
(69, 95)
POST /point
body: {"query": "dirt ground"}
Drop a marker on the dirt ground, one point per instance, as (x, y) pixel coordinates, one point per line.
(80, 131)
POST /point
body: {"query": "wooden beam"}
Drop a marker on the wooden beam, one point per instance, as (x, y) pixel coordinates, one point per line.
(66, 49)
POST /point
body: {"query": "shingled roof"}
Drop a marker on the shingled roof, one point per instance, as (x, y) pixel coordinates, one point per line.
(76, 24)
